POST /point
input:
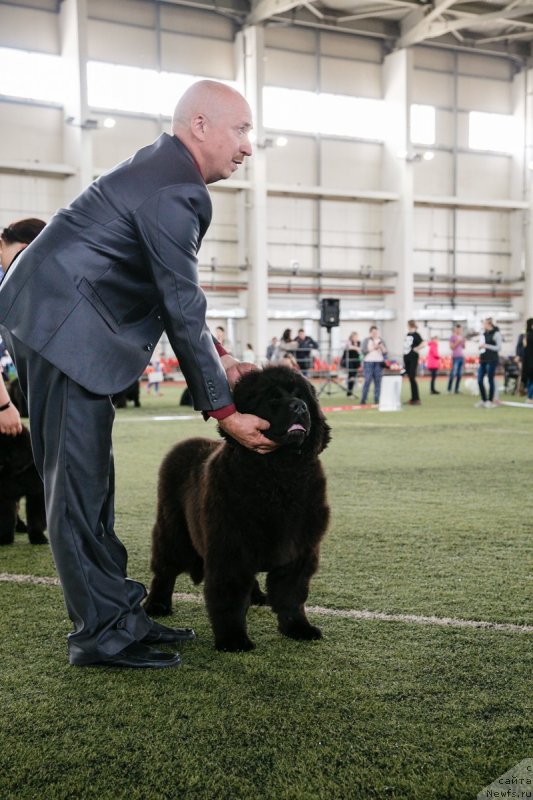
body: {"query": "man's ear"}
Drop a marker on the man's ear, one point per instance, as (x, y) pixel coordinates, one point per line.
(199, 127)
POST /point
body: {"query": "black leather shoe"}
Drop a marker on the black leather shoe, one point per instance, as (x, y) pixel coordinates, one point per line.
(135, 655)
(161, 634)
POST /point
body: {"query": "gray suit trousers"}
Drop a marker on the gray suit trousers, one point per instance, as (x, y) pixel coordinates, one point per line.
(71, 438)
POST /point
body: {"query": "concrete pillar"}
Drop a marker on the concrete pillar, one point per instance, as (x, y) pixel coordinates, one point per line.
(251, 45)
(398, 177)
(527, 221)
(77, 142)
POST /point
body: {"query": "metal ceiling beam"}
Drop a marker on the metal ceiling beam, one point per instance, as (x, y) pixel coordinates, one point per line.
(264, 9)
(429, 29)
(416, 25)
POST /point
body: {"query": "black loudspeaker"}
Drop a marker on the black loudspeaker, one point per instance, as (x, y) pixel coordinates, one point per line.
(329, 312)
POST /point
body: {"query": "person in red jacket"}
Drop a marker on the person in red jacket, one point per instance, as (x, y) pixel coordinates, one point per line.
(433, 361)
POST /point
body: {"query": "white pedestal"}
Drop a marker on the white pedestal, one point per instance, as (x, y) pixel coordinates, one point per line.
(390, 395)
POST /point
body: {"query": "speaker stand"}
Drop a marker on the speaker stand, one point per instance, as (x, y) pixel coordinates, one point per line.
(330, 381)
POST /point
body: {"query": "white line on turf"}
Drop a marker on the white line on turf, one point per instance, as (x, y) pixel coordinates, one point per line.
(157, 419)
(379, 616)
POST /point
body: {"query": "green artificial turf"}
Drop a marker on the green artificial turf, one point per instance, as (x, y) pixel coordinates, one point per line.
(431, 515)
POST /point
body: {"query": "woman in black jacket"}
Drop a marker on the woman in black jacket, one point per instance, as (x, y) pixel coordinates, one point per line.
(528, 359)
(351, 360)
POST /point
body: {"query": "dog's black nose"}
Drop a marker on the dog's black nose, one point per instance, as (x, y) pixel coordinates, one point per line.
(298, 406)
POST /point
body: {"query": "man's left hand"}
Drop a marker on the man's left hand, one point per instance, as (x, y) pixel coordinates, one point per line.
(235, 369)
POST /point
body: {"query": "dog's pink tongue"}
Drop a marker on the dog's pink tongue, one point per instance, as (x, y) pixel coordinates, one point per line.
(296, 427)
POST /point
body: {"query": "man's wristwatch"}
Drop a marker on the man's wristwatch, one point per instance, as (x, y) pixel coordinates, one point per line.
(5, 406)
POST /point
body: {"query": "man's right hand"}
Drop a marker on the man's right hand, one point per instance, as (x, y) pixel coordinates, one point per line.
(10, 423)
(246, 429)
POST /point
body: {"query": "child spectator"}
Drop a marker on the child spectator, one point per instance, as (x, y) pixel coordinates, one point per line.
(433, 361)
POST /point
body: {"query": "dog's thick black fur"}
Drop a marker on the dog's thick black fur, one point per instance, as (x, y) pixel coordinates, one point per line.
(131, 394)
(19, 478)
(227, 513)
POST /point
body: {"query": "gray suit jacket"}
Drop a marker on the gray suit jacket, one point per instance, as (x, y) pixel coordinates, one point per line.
(94, 292)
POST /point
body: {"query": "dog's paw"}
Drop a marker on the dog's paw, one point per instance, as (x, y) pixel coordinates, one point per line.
(155, 609)
(234, 644)
(37, 538)
(300, 630)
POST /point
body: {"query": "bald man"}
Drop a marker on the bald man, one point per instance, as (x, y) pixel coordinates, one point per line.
(81, 312)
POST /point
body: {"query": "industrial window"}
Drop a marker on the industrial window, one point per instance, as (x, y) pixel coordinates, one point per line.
(422, 124)
(332, 114)
(496, 132)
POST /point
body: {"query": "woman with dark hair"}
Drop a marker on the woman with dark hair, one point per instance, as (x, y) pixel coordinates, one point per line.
(13, 240)
(528, 359)
(285, 345)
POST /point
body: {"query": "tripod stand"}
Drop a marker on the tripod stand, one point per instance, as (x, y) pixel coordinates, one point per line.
(330, 380)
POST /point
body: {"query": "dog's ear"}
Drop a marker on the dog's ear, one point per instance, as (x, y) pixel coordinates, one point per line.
(320, 434)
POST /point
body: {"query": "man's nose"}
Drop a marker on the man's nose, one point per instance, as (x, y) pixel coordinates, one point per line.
(246, 147)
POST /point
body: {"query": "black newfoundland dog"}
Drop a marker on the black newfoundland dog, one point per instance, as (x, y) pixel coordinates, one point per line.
(19, 478)
(226, 513)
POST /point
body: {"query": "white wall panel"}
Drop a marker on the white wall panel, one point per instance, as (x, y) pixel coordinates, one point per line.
(293, 39)
(357, 78)
(31, 133)
(122, 44)
(138, 12)
(424, 260)
(433, 236)
(433, 59)
(484, 66)
(348, 46)
(294, 164)
(112, 145)
(25, 196)
(351, 235)
(291, 232)
(221, 240)
(434, 177)
(483, 176)
(195, 56)
(350, 165)
(432, 88)
(479, 94)
(433, 228)
(29, 29)
(462, 129)
(290, 70)
(445, 128)
(482, 243)
(197, 23)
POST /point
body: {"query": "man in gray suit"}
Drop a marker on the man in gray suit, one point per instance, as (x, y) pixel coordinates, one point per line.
(81, 312)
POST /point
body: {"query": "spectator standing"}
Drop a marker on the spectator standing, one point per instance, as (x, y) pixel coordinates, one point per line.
(155, 377)
(519, 352)
(220, 335)
(351, 361)
(374, 350)
(303, 353)
(433, 362)
(490, 343)
(457, 346)
(528, 359)
(271, 349)
(285, 345)
(413, 344)
(249, 354)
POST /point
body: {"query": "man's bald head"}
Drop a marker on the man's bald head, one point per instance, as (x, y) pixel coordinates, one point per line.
(213, 121)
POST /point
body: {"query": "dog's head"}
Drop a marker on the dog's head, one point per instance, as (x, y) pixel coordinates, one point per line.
(288, 401)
